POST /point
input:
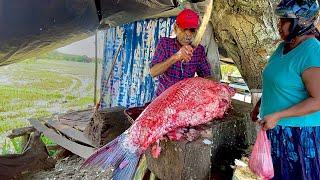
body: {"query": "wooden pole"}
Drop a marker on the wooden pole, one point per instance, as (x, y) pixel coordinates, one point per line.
(95, 69)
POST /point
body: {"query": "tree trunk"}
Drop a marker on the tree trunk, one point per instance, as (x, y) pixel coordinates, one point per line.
(247, 31)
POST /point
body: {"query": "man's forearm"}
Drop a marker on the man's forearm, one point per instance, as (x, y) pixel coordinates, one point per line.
(160, 68)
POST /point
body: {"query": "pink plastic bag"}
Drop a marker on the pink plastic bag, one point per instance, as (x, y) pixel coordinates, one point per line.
(260, 161)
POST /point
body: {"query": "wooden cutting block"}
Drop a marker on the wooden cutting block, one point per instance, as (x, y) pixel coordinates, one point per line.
(182, 160)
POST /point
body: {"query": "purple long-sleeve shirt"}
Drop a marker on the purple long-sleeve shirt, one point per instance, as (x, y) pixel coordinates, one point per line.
(179, 71)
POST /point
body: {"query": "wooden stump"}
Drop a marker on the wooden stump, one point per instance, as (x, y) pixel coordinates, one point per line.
(183, 159)
(107, 124)
(35, 158)
(192, 160)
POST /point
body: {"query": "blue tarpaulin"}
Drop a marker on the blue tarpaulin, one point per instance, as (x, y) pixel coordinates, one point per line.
(128, 83)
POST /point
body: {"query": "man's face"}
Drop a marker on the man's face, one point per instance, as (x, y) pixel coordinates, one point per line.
(185, 36)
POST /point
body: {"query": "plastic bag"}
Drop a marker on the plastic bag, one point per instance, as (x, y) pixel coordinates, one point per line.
(260, 161)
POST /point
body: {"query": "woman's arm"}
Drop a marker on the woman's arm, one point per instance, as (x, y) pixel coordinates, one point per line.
(311, 79)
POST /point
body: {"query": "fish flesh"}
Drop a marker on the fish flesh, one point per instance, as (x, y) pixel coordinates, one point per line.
(188, 103)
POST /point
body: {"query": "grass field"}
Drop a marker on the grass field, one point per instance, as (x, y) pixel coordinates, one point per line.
(40, 88)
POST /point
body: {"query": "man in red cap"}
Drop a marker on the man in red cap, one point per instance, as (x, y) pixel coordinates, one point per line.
(175, 59)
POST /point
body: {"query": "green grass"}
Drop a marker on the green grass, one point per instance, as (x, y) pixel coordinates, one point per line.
(11, 124)
(43, 80)
(227, 70)
(16, 142)
(82, 102)
(48, 141)
(16, 98)
(6, 147)
(55, 55)
(38, 88)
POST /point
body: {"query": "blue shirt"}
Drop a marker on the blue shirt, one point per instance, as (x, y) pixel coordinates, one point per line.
(282, 85)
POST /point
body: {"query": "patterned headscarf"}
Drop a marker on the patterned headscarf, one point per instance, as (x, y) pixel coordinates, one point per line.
(304, 15)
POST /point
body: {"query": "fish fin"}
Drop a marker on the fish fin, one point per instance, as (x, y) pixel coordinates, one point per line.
(114, 155)
(129, 168)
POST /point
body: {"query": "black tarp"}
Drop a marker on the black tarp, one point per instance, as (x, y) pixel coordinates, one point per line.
(117, 12)
(29, 28)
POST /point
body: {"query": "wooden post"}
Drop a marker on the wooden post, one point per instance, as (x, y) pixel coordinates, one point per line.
(95, 69)
(106, 124)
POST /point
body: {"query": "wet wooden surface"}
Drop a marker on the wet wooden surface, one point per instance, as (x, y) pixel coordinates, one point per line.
(78, 149)
(70, 132)
(77, 119)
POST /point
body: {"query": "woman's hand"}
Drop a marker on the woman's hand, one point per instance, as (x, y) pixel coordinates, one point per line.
(269, 122)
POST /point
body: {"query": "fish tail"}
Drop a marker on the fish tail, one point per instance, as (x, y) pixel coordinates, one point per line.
(115, 155)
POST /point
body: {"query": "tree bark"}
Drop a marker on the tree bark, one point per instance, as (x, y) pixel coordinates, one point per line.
(247, 31)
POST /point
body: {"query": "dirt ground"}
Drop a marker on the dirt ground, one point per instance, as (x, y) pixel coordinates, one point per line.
(69, 168)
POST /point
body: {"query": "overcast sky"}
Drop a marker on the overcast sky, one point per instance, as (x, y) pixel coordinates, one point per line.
(85, 47)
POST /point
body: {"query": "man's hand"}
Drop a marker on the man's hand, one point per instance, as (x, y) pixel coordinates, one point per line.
(185, 53)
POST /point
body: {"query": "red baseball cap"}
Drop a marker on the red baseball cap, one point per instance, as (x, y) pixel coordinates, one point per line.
(187, 19)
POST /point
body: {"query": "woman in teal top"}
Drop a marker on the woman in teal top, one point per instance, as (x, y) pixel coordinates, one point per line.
(290, 103)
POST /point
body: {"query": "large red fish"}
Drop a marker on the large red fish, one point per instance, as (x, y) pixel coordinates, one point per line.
(189, 102)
